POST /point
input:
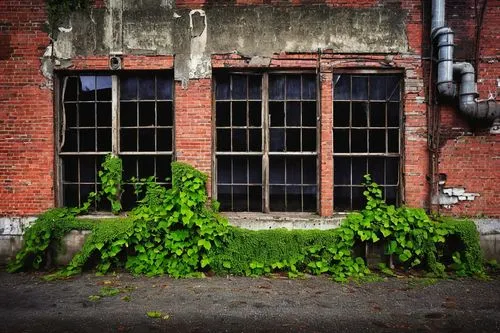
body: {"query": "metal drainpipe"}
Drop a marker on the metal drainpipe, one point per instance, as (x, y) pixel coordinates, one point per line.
(468, 103)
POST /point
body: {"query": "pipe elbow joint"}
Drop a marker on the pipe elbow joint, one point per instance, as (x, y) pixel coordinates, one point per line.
(447, 89)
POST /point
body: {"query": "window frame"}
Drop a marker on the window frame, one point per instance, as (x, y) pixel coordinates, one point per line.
(266, 153)
(400, 73)
(59, 80)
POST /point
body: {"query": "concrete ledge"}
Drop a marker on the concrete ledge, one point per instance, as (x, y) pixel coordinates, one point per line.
(291, 221)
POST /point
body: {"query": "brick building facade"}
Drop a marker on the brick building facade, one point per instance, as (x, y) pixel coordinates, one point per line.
(284, 104)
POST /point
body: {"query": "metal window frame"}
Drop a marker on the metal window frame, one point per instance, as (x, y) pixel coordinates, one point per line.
(370, 155)
(115, 125)
(265, 128)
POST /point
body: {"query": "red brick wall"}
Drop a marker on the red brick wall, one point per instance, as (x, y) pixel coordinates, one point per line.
(26, 118)
(469, 154)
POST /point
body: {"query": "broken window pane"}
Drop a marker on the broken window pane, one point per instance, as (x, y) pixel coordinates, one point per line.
(103, 87)
(71, 92)
(342, 87)
(87, 88)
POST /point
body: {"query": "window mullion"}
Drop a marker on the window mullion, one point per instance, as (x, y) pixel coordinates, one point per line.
(115, 100)
(265, 137)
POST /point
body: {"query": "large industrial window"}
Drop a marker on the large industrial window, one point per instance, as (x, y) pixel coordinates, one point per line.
(366, 137)
(266, 142)
(128, 115)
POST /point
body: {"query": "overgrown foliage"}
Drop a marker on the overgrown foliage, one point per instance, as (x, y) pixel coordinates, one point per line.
(178, 232)
(59, 11)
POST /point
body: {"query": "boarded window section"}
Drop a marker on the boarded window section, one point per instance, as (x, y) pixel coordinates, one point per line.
(143, 138)
(366, 137)
(292, 142)
(85, 135)
(239, 148)
(146, 129)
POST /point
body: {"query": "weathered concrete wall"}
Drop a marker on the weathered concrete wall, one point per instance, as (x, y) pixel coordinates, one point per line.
(154, 27)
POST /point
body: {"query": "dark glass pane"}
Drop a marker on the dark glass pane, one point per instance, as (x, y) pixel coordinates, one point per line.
(87, 140)
(377, 88)
(239, 114)
(240, 175)
(342, 89)
(86, 114)
(392, 195)
(128, 88)
(70, 94)
(293, 114)
(128, 139)
(255, 198)
(255, 113)
(239, 137)
(308, 140)
(71, 115)
(308, 87)
(360, 87)
(239, 88)
(104, 114)
(276, 87)
(393, 114)
(254, 88)
(255, 137)
(147, 140)
(104, 139)
(277, 170)
(224, 197)
(359, 114)
(129, 167)
(87, 88)
(309, 198)
(163, 170)
(341, 141)
(128, 198)
(223, 140)
(277, 138)
(164, 114)
(255, 170)
(222, 114)
(358, 199)
(309, 170)
(358, 141)
(146, 114)
(146, 166)
(342, 198)
(164, 88)
(293, 199)
(293, 86)
(393, 88)
(222, 83)
(164, 140)
(341, 111)
(393, 141)
(342, 171)
(293, 170)
(377, 141)
(146, 87)
(358, 170)
(70, 142)
(103, 88)
(376, 169)
(392, 170)
(70, 193)
(240, 198)
(293, 139)
(276, 113)
(223, 169)
(309, 114)
(87, 169)
(70, 169)
(377, 114)
(128, 114)
(277, 198)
